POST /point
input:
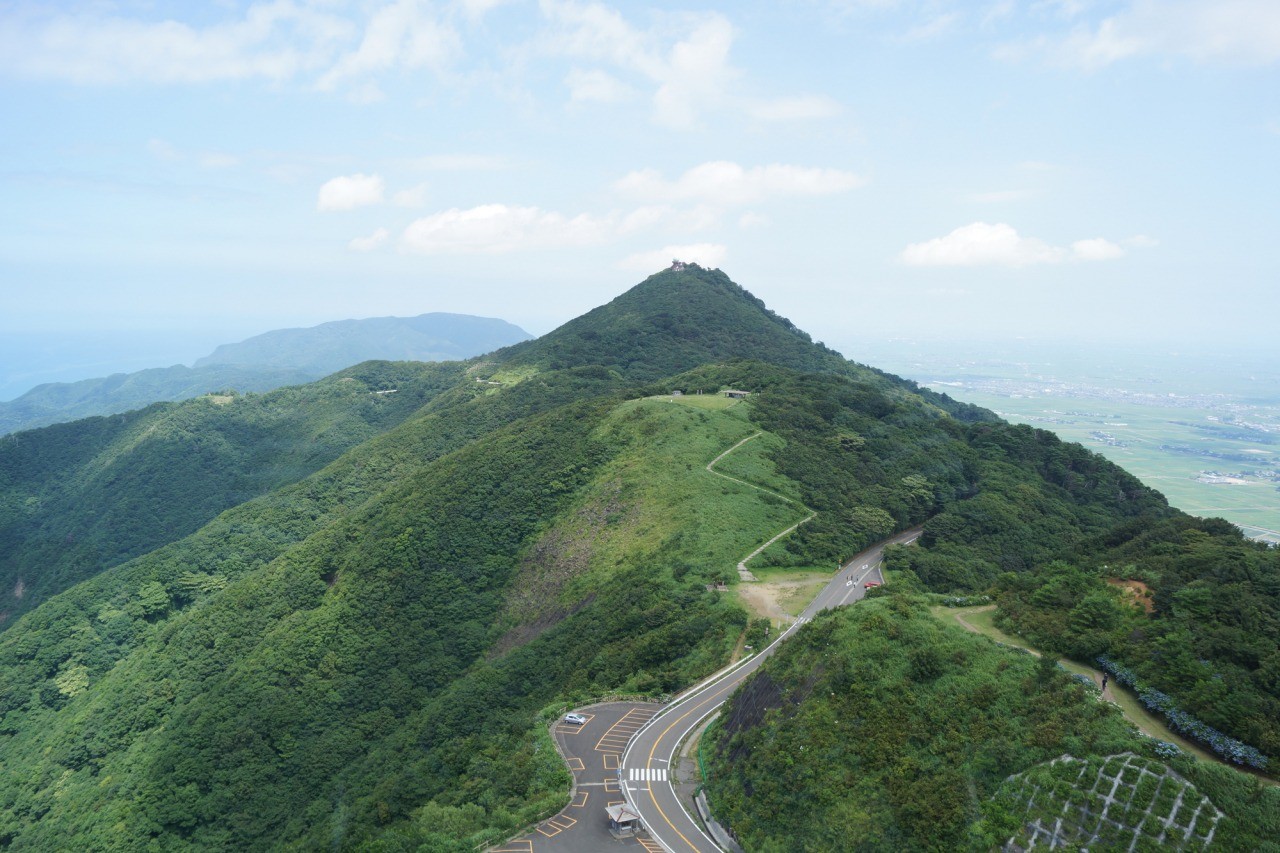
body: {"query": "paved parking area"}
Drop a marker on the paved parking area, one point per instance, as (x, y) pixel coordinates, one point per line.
(592, 752)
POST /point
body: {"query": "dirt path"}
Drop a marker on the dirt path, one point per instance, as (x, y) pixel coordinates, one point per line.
(1123, 698)
(743, 572)
(763, 598)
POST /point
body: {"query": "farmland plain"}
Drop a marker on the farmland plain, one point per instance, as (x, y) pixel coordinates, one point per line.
(1201, 427)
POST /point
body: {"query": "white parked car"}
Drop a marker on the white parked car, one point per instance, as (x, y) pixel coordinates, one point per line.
(575, 719)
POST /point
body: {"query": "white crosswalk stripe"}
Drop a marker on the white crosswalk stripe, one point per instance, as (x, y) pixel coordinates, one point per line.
(648, 774)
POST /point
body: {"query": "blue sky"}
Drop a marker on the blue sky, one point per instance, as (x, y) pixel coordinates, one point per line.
(1069, 169)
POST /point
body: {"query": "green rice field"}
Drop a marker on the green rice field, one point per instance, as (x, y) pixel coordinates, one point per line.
(1169, 449)
(1199, 423)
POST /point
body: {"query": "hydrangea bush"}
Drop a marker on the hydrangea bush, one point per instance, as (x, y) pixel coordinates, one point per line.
(1182, 722)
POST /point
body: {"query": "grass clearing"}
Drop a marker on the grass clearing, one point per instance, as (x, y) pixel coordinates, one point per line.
(677, 514)
(751, 463)
(713, 402)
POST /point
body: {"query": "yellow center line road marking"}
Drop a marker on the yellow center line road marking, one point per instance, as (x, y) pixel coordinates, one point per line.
(718, 693)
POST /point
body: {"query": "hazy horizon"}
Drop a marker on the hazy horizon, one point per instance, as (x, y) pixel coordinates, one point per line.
(28, 359)
(1043, 169)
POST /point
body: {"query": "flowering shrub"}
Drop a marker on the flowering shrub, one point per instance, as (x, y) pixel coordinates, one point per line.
(1182, 722)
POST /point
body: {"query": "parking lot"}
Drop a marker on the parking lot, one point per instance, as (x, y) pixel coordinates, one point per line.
(592, 752)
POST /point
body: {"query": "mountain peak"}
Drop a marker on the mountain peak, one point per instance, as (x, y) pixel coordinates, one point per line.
(674, 320)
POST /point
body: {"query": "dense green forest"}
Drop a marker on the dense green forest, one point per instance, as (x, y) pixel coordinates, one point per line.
(1055, 533)
(331, 617)
(77, 498)
(877, 727)
(60, 402)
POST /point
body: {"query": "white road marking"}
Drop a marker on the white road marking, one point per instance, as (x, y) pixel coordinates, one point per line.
(648, 774)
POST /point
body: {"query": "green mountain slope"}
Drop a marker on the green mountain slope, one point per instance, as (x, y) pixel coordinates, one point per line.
(366, 655)
(60, 402)
(77, 498)
(879, 728)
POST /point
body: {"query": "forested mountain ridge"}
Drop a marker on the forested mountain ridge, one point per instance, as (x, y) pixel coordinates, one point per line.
(675, 321)
(77, 498)
(364, 656)
(263, 363)
(61, 402)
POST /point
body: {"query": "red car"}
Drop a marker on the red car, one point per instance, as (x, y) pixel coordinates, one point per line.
(870, 584)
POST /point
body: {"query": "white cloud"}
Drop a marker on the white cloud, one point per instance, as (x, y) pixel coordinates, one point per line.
(596, 86)
(687, 60)
(752, 220)
(1095, 249)
(494, 228)
(936, 26)
(1239, 32)
(697, 74)
(724, 183)
(368, 244)
(703, 254)
(273, 40)
(350, 191)
(797, 108)
(476, 9)
(411, 197)
(218, 160)
(984, 244)
(401, 35)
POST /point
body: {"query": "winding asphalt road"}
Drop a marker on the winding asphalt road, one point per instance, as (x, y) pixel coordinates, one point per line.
(646, 764)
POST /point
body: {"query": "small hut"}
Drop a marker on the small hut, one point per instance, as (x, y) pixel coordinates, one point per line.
(734, 394)
(623, 820)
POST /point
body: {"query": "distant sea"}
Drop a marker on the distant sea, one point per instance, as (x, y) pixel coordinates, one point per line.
(28, 359)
